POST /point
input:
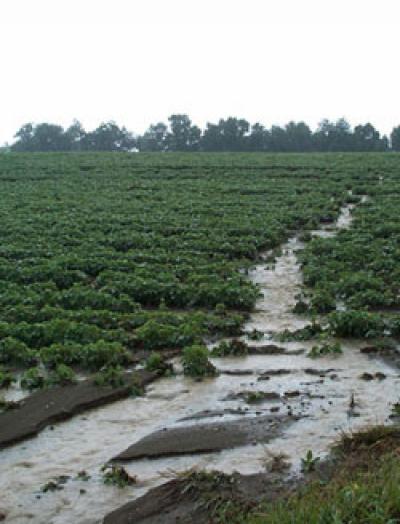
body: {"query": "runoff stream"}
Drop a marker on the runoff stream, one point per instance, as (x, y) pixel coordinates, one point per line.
(317, 391)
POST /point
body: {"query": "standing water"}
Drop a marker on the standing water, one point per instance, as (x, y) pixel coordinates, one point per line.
(317, 391)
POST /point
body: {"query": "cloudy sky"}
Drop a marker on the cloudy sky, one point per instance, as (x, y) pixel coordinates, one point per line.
(138, 61)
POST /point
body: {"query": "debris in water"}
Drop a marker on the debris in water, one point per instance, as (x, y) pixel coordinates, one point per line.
(117, 476)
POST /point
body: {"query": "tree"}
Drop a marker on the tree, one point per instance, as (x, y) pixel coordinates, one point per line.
(334, 136)
(42, 137)
(154, 139)
(50, 137)
(385, 143)
(24, 138)
(75, 135)
(367, 138)
(109, 137)
(295, 136)
(259, 138)
(234, 132)
(211, 139)
(228, 135)
(395, 138)
(298, 137)
(279, 142)
(183, 135)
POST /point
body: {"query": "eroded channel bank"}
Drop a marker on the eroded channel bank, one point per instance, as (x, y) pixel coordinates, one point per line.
(314, 395)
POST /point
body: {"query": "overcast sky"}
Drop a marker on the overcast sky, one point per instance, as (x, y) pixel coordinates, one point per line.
(138, 61)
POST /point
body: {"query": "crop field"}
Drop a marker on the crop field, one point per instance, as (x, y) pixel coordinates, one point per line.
(104, 255)
(359, 267)
(115, 266)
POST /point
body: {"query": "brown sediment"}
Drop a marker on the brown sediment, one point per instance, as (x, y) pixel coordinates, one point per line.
(213, 413)
(370, 350)
(266, 375)
(237, 372)
(49, 406)
(272, 349)
(319, 372)
(389, 355)
(291, 394)
(193, 498)
(206, 438)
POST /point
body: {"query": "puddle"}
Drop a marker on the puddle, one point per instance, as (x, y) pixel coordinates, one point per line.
(88, 441)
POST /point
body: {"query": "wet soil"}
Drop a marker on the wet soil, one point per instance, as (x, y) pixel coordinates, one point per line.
(46, 407)
(209, 413)
(389, 355)
(187, 501)
(267, 349)
(206, 438)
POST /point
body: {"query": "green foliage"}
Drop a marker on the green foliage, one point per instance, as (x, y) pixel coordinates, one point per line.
(33, 378)
(255, 334)
(309, 462)
(393, 324)
(309, 332)
(358, 268)
(91, 356)
(117, 476)
(396, 410)
(323, 301)
(301, 307)
(395, 138)
(324, 349)
(154, 335)
(230, 134)
(102, 353)
(356, 324)
(13, 351)
(6, 378)
(305, 236)
(195, 362)
(220, 309)
(254, 397)
(365, 488)
(62, 375)
(55, 485)
(154, 362)
(157, 364)
(136, 391)
(112, 376)
(234, 347)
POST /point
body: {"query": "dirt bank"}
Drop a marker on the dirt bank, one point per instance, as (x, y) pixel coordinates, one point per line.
(206, 438)
(192, 498)
(49, 406)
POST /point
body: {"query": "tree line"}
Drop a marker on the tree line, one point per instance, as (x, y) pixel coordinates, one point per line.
(230, 134)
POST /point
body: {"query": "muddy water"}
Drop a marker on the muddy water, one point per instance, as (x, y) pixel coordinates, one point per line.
(279, 287)
(88, 441)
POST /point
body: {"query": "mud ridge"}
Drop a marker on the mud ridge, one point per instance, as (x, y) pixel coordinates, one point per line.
(186, 500)
(49, 406)
(206, 438)
(272, 349)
